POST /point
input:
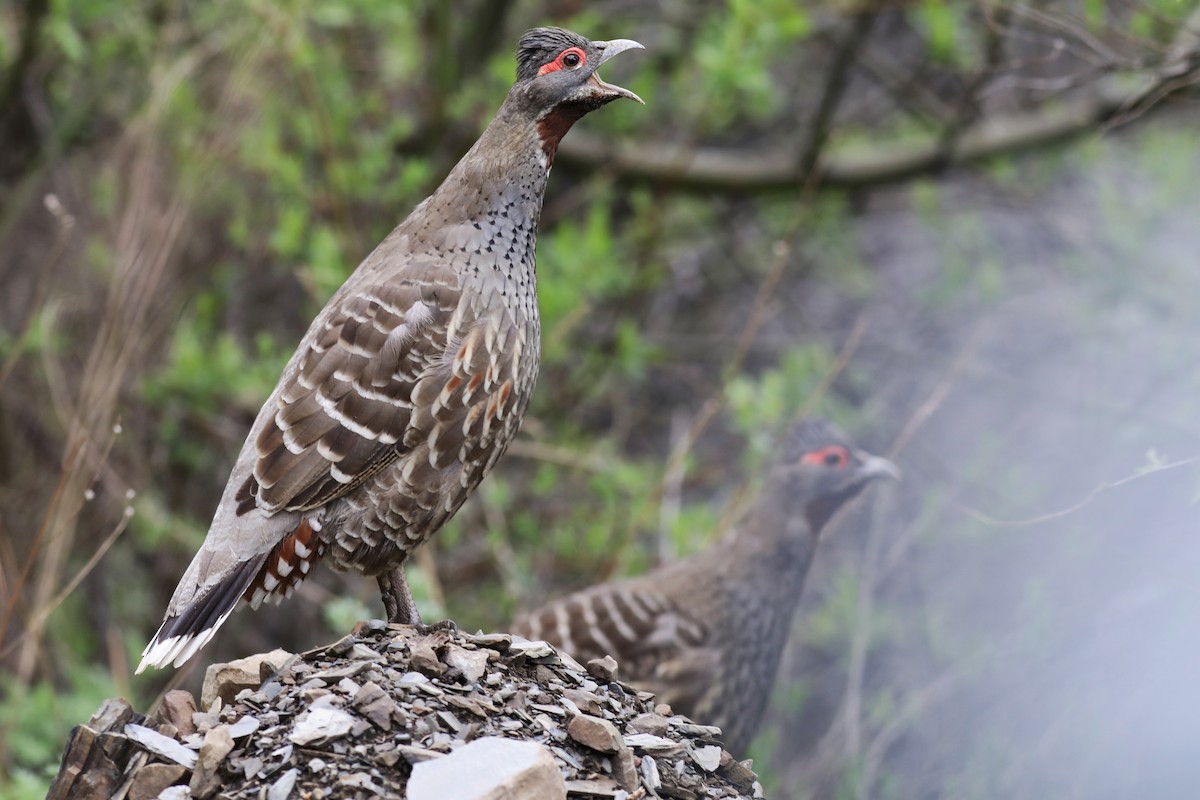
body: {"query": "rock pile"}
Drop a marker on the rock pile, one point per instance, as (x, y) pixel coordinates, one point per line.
(387, 712)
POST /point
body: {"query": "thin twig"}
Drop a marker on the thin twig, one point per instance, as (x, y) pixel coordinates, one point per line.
(1062, 512)
(670, 499)
(968, 109)
(836, 81)
(849, 348)
(14, 598)
(552, 454)
(940, 392)
(43, 612)
(847, 723)
(502, 550)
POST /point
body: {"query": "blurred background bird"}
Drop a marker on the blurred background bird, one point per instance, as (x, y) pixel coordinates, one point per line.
(705, 634)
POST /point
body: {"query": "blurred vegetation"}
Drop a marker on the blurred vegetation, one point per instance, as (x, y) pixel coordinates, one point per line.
(183, 185)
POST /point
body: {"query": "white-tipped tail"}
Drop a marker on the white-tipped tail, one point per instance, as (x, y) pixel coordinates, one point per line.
(187, 629)
(175, 650)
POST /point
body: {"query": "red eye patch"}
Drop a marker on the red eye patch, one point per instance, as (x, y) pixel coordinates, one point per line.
(832, 456)
(570, 58)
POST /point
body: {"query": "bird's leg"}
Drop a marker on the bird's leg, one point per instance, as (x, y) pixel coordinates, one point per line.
(399, 605)
(397, 598)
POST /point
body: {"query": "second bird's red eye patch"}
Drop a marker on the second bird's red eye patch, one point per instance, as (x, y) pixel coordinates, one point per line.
(833, 456)
(570, 58)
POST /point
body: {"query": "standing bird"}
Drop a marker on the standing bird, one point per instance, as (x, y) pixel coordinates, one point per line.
(706, 634)
(410, 383)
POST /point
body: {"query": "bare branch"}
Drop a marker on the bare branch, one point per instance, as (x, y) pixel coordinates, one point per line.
(700, 168)
(742, 171)
(835, 87)
(1062, 512)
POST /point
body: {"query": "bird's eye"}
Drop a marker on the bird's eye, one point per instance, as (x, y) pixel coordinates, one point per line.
(571, 58)
(831, 456)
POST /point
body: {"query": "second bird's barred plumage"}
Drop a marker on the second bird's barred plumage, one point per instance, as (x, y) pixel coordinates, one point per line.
(706, 634)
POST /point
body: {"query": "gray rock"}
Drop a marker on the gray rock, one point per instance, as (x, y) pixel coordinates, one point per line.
(243, 727)
(374, 703)
(412, 679)
(693, 730)
(205, 779)
(595, 787)
(598, 734)
(492, 641)
(654, 724)
(360, 652)
(491, 768)
(471, 663)
(151, 779)
(531, 649)
(282, 787)
(450, 721)
(174, 793)
(708, 757)
(112, 715)
(737, 772)
(334, 675)
(625, 770)
(585, 701)
(161, 745)
(602, 669)
(251, 767)
(570, 663)
(361, 780)
(423, 658)
(416, 755)
(654, 745)
(226, 680)
(177, 708)
(650, 774)
(321, 723)
(203, 720)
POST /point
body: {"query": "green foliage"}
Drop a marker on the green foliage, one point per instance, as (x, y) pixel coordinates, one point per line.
(342, 613)
(762, 406)
(944, 24)
(694, 528)
(207, 374)
(762, 752)
(41, 335)
(26, 784)
(38, 718)
(733, 51)
(580, 265)
(970, 263)
(1157, 20)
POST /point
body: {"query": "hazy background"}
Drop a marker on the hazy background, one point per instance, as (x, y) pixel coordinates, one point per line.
(968, 232)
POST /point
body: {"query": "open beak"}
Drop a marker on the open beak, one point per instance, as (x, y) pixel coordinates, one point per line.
(878, 467)
(607, 51)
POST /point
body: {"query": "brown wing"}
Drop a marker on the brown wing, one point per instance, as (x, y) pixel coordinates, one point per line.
(343, 413)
